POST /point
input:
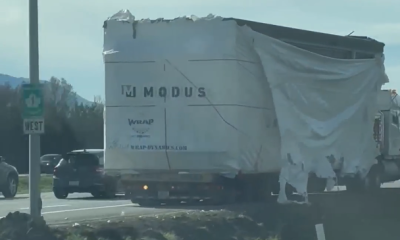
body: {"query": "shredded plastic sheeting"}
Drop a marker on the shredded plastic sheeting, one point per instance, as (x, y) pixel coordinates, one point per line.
(207, 95)
(325, 108)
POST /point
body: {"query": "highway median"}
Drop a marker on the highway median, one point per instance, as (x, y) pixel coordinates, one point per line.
(258, 221)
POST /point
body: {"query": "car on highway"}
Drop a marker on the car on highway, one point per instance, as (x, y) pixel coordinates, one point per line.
(8, 179)
(48, 162)
(82, 171)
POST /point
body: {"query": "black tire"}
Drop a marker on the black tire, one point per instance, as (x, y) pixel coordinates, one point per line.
(231, 197)
(371, 183)
(353, 185)
(60, 193)
(109, 194)
(97, 194)
(255, 188)
(248, 192)
(263, 190)
(11, 187)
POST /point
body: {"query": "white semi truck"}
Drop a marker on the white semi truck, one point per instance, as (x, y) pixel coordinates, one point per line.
(217, 110)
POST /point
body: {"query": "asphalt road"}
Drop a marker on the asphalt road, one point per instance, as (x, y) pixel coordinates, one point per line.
(82, 207)
(79, 207)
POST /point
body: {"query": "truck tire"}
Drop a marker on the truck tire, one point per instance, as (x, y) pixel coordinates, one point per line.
(11, 187)
(353, 185)
(255, 188)
(247, 188)
(371, 183)
(247, 193)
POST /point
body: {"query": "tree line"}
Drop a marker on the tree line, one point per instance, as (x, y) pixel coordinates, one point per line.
(68, 125)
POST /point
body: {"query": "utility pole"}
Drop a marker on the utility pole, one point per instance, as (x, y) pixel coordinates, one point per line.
(34, 139)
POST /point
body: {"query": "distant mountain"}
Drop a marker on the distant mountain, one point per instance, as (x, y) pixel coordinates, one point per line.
(15, 82)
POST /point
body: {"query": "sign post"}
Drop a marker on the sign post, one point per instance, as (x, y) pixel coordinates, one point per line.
(32, 99)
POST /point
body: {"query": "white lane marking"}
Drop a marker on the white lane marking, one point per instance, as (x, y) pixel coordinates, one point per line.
(53, 206)
(85, 209)
(319, 228)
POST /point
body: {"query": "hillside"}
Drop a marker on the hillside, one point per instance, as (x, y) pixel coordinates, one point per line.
(15, 82)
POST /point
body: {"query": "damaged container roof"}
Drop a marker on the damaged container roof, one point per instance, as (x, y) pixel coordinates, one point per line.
(330, 45)
(336, 46)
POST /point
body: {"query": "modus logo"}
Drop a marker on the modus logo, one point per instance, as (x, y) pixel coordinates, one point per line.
(174, 91)
(140, 127)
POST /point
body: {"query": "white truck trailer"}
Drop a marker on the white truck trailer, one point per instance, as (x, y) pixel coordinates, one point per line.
(216, 109)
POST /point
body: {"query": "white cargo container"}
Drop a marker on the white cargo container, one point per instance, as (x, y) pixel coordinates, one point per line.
(196, 108)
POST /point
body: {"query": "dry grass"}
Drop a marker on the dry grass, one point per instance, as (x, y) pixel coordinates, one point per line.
(194, 225)
(166, 235)
(46, 184)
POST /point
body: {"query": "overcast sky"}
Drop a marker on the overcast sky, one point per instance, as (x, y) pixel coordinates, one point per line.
(71, 34)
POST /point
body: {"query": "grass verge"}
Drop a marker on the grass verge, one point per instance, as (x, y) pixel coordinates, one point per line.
(46, 184)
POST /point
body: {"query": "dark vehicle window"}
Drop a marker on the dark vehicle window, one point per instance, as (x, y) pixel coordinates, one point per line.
(50, 159)
(83, 160)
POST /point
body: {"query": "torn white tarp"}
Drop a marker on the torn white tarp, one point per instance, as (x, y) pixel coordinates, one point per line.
(325, 107)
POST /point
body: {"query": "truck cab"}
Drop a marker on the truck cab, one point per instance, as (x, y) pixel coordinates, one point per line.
(386, 132)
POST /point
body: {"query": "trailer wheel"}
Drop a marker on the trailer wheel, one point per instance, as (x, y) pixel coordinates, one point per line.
(257, 187)
(371, 183)
(247, 187)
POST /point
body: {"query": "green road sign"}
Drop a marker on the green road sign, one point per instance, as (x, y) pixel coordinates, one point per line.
(32, 101)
